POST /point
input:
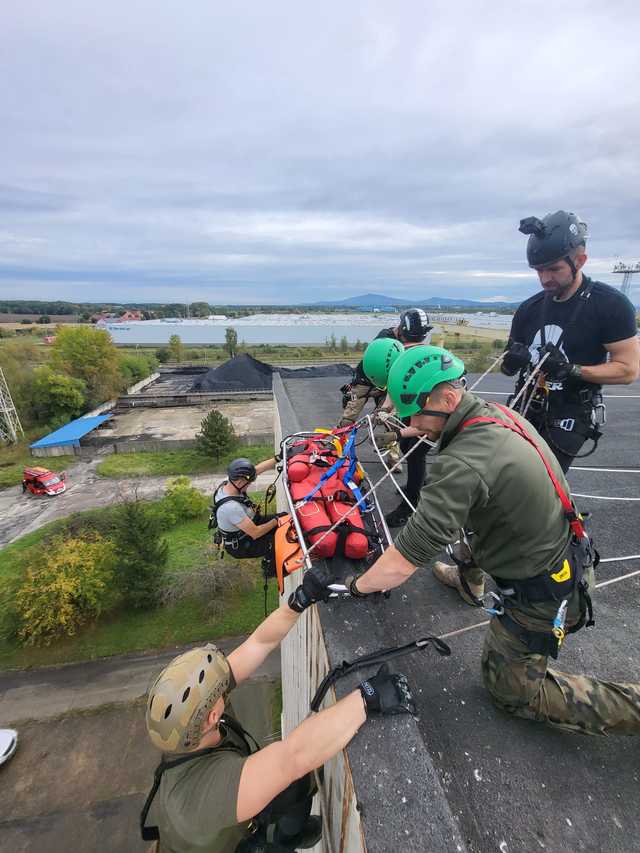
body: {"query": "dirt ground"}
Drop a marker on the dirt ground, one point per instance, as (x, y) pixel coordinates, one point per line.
(253, 417)
(86, 776)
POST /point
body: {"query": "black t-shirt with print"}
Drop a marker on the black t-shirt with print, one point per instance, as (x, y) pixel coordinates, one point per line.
(596, 314)
(359, 377)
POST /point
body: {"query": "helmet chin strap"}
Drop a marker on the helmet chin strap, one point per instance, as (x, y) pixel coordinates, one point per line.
(433, 413)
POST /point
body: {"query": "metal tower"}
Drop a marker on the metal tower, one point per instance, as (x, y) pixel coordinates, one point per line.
(627, 271)
(10, 426)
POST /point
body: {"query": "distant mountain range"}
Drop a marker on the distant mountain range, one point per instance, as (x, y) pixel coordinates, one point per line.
(377, 300)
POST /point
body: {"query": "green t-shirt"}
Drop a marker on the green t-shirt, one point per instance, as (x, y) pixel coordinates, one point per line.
(196, 804)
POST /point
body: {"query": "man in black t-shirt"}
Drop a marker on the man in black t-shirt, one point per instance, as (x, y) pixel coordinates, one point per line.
(586, 329)
(413, 328)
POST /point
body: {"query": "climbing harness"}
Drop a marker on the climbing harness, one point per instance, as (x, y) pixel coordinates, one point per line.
(151, 833)
(557, 584)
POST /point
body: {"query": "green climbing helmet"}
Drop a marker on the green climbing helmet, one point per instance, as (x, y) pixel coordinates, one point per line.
(416, 373)
(378, 358)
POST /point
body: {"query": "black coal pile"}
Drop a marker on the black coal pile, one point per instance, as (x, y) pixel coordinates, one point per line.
(245, 373)
(242, 373)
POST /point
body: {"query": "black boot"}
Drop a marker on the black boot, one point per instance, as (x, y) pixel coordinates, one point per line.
(400, 515)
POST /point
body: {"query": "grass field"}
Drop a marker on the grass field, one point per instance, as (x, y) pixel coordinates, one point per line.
(14, 459)
(175, 462)
(131, 631)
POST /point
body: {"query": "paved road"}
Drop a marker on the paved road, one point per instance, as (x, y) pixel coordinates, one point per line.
(51, 691)
(23, 513)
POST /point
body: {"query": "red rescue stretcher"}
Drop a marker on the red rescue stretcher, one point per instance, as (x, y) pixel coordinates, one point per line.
(334, 515)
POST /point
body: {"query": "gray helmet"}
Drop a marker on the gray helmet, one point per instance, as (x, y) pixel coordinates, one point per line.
(241, 469)
(553, 238)
(414, 325)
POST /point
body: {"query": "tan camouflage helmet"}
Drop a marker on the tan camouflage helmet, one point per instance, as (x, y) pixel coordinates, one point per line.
(182, 696)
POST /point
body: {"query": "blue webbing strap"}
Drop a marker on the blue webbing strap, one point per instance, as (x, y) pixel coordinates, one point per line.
(347, 479)
(335, 467)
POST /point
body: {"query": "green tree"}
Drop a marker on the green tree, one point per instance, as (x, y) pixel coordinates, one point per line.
(199, 309)
(344, 344)
(216, 436)
(140, 554)
(176, 348)
(231, 341)
(68, 583)
(163, 355)
(332, 342)
(56, 396)
(133, 368)
(44, 319)
(89, 354)
(17, 360)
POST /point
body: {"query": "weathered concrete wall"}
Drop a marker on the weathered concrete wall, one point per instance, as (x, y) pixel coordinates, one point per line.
(57, 450)
(304, 665)
(160, 400)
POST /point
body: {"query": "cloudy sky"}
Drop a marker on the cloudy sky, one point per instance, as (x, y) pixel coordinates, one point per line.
(280, 151)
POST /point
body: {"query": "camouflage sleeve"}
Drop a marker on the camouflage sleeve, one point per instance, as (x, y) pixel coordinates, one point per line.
(453, 488)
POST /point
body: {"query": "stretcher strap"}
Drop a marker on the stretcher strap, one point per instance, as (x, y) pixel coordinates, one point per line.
(335, 467)
(350, 450)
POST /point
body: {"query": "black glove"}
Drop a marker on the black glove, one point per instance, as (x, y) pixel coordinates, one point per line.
(517, 358)
(387, 693)
(311, 589)
(281, 514)
(556, 366)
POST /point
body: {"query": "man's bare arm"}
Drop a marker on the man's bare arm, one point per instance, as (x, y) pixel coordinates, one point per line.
(622, 369)
(388, 571)
(268, 772)
(256, 531)
(267, 636)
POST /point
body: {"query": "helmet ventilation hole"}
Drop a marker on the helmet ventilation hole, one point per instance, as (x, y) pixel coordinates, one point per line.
(185, 695)
(167, 712)
(201, 676)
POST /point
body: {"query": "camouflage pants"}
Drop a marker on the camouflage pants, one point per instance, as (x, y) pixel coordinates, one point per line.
(358, 400)
(522, 684)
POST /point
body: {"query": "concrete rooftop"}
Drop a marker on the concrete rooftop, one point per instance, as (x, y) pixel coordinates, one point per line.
(465, 776)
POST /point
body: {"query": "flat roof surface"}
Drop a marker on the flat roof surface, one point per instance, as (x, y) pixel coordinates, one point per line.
(510, 785)
(71, 432)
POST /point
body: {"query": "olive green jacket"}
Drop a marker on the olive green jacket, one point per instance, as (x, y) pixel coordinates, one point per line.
(491, 480)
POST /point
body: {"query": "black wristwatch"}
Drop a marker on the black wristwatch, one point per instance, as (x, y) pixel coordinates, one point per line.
(576, 371)
(353, 589)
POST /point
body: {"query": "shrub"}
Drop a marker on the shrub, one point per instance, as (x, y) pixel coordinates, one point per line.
(66, 585)
(182, 502)
(134, 368)
(212, 583)
(216, 436)
(163, 355)
(140, 554)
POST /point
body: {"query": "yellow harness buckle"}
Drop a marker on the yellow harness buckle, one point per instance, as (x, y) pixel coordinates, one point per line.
(564, 574)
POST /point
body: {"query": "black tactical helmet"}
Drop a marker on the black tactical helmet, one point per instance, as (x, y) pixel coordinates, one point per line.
(414, 325)
(553, 238)
(241, 469)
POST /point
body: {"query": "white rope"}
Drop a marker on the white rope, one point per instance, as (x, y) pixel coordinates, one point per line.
(598, 586)
(380, 456)
(420, 440)
(602, 497)
(488, 370)
(530, 379)
(607, 470)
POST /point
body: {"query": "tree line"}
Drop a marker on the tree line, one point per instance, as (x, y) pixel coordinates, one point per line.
(85, 369)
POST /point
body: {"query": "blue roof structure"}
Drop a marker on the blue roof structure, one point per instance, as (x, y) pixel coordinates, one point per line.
(72, 432)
